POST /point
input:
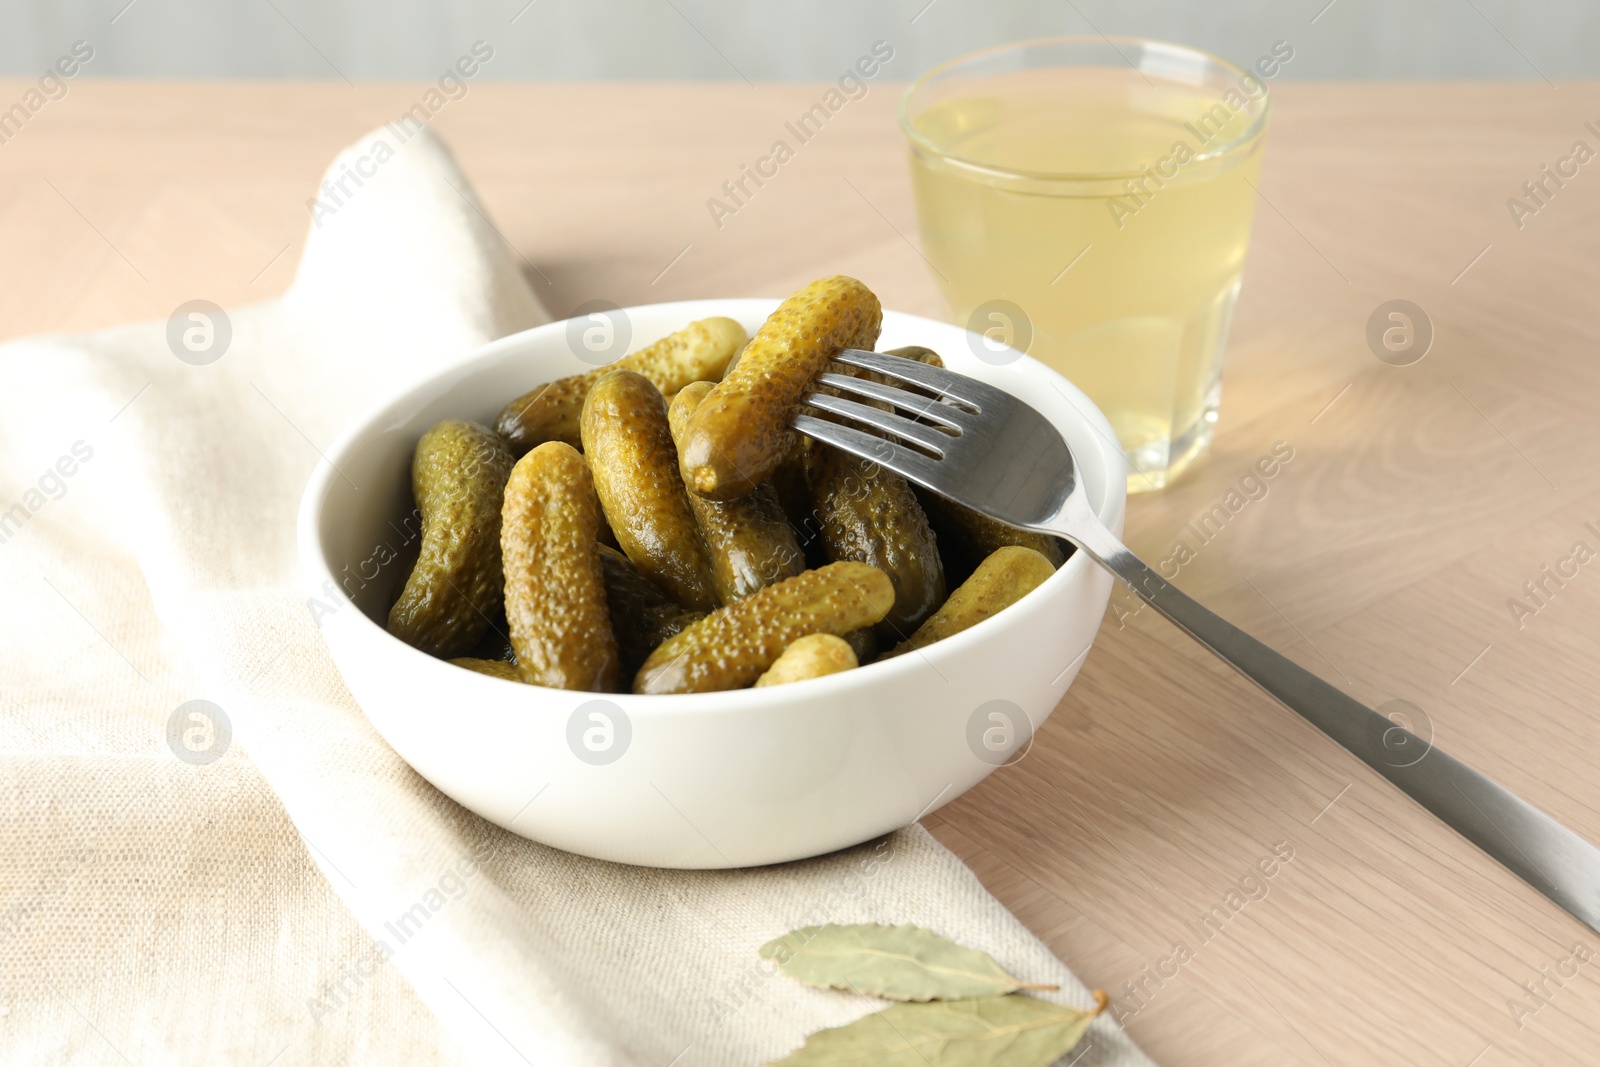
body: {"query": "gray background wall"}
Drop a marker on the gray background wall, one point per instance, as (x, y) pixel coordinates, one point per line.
(778, 39)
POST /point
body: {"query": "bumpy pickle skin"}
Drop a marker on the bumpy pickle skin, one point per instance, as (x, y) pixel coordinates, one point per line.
(734, 646)
(734, 362)
(555, 590)
(551, 412)
(748, 539)
(458, 474)
(812, 656)
(740, 431)
(865, 513)
(1009, 574)
(628, 442)
(494, 668)
(642, 616)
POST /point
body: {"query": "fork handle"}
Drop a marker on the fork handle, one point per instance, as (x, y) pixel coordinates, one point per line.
(1541, 851)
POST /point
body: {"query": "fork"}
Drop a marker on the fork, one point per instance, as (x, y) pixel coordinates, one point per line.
(989, 451)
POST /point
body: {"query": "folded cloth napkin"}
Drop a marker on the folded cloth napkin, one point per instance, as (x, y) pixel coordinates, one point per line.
(161, 907)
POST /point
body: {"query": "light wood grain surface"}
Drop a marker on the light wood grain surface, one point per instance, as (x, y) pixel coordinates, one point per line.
(1418, 502)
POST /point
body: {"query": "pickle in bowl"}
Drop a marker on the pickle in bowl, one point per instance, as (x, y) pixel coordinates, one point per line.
(740, 431)
(555, 589)
(734, 646)
(452, 595)
(812, 656)
(700, 351)
(868, 514)
(628, 443)
(749, 540)
(665, 530)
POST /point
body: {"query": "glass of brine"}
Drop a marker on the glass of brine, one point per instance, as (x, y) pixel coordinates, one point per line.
(1088, 201)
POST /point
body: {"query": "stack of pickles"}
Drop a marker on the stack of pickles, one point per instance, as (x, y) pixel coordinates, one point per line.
(665, 530)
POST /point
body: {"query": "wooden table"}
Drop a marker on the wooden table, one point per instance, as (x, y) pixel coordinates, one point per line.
(1385, 555)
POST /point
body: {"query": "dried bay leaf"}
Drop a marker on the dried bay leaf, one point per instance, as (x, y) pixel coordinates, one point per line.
(1003, 1031)
(894, 962)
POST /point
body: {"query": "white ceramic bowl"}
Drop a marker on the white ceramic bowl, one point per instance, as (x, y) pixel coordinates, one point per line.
(730, 779)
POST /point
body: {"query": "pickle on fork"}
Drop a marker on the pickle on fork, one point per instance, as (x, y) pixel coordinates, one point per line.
(740, 431)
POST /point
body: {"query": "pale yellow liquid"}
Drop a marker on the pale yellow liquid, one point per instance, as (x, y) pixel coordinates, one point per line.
(1139, 321)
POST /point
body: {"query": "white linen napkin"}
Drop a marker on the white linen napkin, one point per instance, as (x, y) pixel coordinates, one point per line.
(161, 909)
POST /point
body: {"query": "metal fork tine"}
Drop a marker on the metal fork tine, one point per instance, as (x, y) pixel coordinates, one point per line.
(904, 461)
(916, 403)
(887, 421)
(946, 383)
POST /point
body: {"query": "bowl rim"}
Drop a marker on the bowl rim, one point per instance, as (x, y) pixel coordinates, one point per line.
(318, 574)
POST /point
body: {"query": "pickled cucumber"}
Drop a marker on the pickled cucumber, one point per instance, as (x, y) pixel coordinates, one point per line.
(864, 643)
(555, 589)
(550, 412)
(869, 514)
(969, 537)
(628, 443)
(1009, 574)
(458, 473)
(748, 539)
(733, 646)
(788, 481)
(642, 616)
(527, 541)
(494, 668)
(812, 656)
(741, 431)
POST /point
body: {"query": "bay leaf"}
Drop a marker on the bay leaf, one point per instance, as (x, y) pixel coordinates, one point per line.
(895, 962)
(1004, 1031)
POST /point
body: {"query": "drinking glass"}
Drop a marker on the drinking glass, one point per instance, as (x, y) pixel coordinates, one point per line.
(1089, 201)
